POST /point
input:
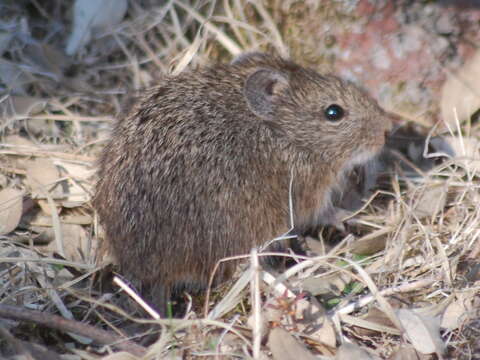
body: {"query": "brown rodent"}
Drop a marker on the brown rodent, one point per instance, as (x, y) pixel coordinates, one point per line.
(200, 167)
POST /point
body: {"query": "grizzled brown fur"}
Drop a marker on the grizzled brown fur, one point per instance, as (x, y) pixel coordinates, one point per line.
(199, 169)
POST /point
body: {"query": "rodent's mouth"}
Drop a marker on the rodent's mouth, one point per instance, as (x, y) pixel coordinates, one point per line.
(362, 157)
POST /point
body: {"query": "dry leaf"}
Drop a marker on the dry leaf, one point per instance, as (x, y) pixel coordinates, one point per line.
(13, 77)
(351, 351)
(408, 352)
(10, 209)
(370, 243)
(90, 17)
(326, 284)
(467, 152)
(431, 201)
(22, 106)
(422, 331)
(121, 355)
(76, 195)
(457, 312)
(47, 60)
(5, 38)
(324, 332)
(374, 316)
(461, 93)
(285, 347)
(76, 244)
(42, 177)
(77, 219)
(17, 141)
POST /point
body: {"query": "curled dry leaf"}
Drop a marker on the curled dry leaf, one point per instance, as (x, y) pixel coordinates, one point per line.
(10, 209)
(461, 93)
(423, 332)
(285, 347)
(90, 17)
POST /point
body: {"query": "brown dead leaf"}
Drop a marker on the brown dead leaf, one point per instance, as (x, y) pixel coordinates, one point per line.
(326, 284)
(22, 106)
(370, 243)
(377, 317)
(422, 331)
(121, 355)
(457, 311)
(77, 188)
(351, 351)
(461, 93)
(10, 209)
(17, 141)
(13, 76)
(46, 59)
(76, 244)
(431, 201)
(90, 18)
(42, 175)
(285, 347)
(324, 332)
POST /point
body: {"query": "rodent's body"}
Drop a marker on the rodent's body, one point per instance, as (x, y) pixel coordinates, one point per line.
(200, 168)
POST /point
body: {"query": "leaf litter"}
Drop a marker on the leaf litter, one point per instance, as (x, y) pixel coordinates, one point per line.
(369, 296)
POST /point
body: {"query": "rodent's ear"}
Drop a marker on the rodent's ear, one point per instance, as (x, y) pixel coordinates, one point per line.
(262, 88)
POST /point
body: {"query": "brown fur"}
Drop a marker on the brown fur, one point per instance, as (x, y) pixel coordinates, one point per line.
(198, 171)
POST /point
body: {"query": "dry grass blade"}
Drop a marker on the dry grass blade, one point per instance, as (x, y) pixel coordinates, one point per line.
(223, 39)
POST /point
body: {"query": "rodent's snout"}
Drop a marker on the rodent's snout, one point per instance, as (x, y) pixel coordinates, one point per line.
(390, 125)
(385, 126)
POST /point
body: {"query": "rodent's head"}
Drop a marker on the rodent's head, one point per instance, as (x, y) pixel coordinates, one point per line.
(323, 114)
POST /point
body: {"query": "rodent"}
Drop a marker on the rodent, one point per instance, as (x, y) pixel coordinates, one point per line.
(200, 167)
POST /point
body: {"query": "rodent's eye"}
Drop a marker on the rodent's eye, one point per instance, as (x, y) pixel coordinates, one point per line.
(334, 112)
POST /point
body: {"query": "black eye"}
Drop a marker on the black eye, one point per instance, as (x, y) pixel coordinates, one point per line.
(334, 112)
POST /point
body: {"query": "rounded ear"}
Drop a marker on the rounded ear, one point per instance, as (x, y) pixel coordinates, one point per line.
(261, 90)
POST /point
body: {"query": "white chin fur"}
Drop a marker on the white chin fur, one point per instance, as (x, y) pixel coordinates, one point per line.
(361, 158)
